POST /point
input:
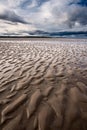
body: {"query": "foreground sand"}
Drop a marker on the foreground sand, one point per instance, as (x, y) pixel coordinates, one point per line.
(43, 84)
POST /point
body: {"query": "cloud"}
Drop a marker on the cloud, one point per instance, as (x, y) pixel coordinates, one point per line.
(32, 3)
(76, 16)
(9, 28)
(24, 16)
(79, 2)
(11, 16)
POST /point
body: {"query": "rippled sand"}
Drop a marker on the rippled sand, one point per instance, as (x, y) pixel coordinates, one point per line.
(43, 84)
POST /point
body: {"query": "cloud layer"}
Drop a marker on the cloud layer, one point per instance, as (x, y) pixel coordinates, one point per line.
(25, 17)
(9, 15)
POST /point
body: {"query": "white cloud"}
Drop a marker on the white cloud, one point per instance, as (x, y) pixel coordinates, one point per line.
(9, 27)
(14, 3)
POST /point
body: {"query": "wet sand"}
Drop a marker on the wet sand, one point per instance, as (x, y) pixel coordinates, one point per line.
(43, 84)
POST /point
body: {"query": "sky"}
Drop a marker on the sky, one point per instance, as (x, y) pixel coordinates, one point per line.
(43, 18)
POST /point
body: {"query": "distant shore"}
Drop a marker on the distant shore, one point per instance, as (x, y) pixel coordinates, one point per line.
(41, 38)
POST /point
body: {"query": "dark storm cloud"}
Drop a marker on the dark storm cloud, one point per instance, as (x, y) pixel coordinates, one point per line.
(11, 16)
(78, 15)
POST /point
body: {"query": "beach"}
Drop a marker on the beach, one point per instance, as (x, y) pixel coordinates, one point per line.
(43, 84)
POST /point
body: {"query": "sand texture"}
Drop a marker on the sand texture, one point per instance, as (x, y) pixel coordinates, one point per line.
(43, 84)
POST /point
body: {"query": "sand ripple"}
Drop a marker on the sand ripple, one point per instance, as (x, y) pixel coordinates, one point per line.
(43, 84)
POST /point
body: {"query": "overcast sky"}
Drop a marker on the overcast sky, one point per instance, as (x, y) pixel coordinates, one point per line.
(20, 17)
